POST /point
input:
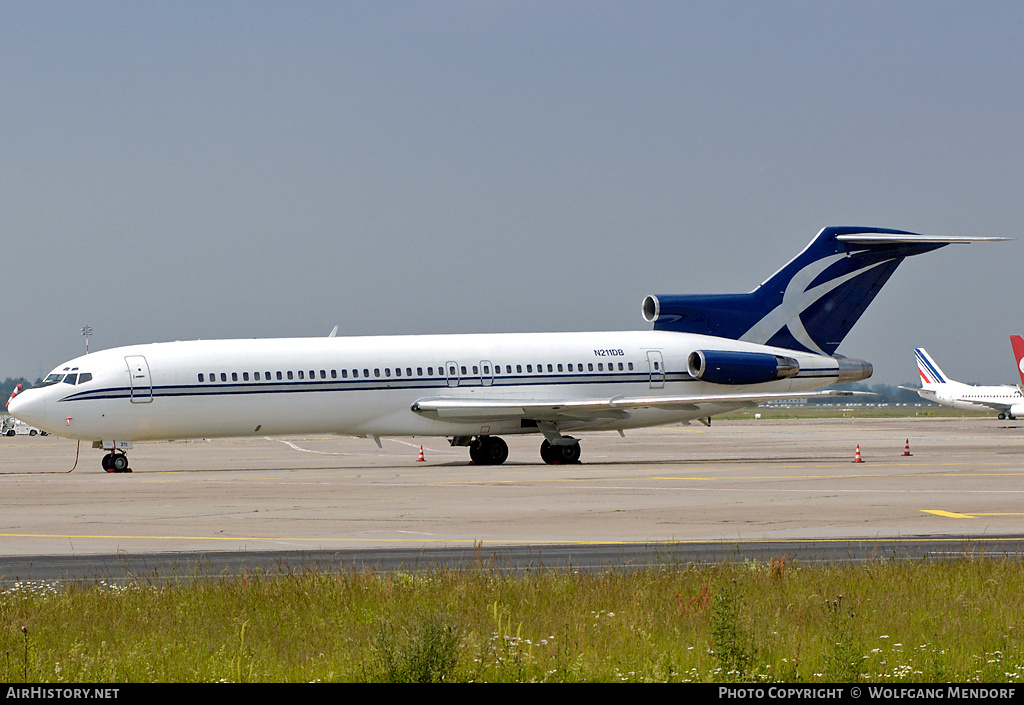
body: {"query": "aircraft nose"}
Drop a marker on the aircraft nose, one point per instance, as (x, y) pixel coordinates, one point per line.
(29, 406)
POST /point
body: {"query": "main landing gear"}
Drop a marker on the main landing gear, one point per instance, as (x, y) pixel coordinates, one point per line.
(488, 450)
(491, 450)
(115, 462)
(563, 453)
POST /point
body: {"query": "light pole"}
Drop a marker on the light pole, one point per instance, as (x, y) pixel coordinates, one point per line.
(87, 331)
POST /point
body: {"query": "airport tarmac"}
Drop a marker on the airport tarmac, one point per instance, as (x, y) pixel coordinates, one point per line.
(735, 481)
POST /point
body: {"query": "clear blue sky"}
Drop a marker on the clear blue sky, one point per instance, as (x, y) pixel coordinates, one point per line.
(176, 170)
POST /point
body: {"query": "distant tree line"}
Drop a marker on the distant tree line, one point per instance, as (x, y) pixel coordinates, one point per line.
(883, 394)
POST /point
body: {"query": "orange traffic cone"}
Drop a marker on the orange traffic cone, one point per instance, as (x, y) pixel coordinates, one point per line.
(421, 458)
(906, 449)
(856, 457)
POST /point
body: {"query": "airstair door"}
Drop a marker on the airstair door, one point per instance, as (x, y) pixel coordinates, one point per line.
(657, 368)
(139, 379)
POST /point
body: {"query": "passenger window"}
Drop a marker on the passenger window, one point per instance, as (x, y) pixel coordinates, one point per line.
(529, 368)
(590, 367)
(419, 371)
(408, 372)
(302, 375)
(245, 376)
(508, 369)
(334, 374)
(629, 365)
(550, 369)
(463, 369)
(234, 376)
(201, 377)
(519, 368)
(256, 376)
(355, 373)
(344, 374)
(323, 374)
(570, 367)
(398, 372)
(223, 376)
(476, 370)
(387, 371)
(289, 374)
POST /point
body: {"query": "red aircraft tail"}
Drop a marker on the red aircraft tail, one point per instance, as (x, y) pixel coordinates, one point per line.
(1018, 353)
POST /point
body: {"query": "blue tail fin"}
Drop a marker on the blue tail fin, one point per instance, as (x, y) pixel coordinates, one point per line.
(812, 302)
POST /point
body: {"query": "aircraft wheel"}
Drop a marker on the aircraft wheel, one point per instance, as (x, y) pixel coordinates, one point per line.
(496, 451)
(569, 454)
(119, 463)
(1002, 417)
(476, 452)
(488, 450)
(106, 463)
(546, 452)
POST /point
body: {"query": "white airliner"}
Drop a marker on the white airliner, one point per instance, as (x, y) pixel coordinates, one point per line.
(936, 386)
(706, 355)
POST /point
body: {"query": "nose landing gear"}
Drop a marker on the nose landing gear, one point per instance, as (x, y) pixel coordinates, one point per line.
(115, 462)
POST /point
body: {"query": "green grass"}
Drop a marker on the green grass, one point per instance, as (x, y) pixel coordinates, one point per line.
(914, 622)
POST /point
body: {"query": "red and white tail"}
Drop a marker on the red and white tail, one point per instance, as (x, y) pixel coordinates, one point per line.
(17, 391)
(1018, 352)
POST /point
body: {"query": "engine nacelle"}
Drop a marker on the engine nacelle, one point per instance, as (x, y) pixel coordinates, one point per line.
(1017, 411)
(733, 367)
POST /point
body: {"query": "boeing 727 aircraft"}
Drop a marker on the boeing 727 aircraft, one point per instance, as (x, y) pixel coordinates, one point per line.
(707, 354)
(936, 386)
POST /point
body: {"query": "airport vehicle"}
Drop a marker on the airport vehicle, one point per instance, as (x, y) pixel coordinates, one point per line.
(936, 386)
(10, 426)
(707, 354)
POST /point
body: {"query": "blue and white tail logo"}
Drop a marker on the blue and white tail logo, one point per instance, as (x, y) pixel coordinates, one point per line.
(812, 302)
(931, 373)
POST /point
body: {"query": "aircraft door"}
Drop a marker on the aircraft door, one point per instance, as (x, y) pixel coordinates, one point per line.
(139, 379)
(451, 371)
(656, 365)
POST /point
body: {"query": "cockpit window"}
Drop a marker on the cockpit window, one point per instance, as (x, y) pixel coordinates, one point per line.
(84, 377)
(52, 378)
(71, 379)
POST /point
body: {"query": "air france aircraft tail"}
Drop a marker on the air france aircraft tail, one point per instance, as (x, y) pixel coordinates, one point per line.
(931, 374)
(808, 305)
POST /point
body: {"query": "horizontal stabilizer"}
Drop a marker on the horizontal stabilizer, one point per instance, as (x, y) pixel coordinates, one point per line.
(811, 303)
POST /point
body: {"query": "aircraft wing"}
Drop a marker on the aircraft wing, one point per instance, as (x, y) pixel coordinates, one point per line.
(459, 409)
(994, 405)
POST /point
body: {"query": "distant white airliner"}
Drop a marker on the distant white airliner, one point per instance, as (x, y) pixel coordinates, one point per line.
(936, 386)
(706, 355)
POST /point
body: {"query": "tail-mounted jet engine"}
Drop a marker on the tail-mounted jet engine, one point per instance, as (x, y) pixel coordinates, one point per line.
(732, 367)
